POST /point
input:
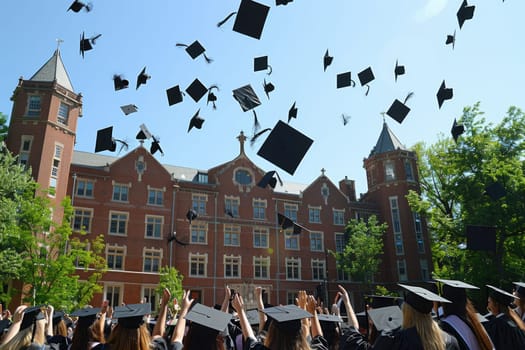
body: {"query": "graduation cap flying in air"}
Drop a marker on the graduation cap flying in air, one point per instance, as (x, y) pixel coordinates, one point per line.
(451, 39)
(106, 142)
(196, 90)
(119, 82)
(366, 76)
(196, 121)
(268, 87)
(76, 6)
(464, 13)
(248, 100)
(345, 80)
(195, 49)
(211, 96)
(173, 237)
(457, 130)
(191, 215)
(292, 113)
(398, 70)
(128, 109)
(86, 44)
(174, 95)
(142, 78)
(399, 110)
(327, 60)
(270, 178)
(145, 134)
(261, 63)
(285, 223)
(250, 18)
(444, 94)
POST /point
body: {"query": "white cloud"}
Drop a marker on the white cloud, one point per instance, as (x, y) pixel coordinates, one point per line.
(431, 9)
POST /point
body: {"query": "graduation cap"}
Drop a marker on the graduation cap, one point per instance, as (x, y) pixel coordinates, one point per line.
(501, 296)
(155, 146)
(211, 96)
(344, 80)
(285, 223)
(196, 90)
(287, 317)
(329, 318)
(253, 317)
(191, 215)
(282, 2)
(174, 95)
(86, 44)
(285, 147)
(131, 316)
(261, 63)
(451, 39)
(399, 110)
(58, 316)
(144, 133)
(4, 324)
(292, 113)
(142, 78)
(495, 190)
(464, 13)
(378, 301)
(398, 70)
(31, 315)
(195, 50)
(247, 99)
(86, 316)
(421, 299)
(250, 18)
(196, 121)
(106, 142)
(327, 60)
(520, 289)
(366, 76)
(76, 6)
(345, 118)
(444, 94)
(173, 237)
(457, 130)
(268, 87)
(386, 318)
(270, 178)
(454, 290)
(119, 82)
(208, 317)
(481, 238)
(128, 109)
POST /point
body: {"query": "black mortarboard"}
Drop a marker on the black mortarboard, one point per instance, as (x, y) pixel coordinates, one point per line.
(451, 39)
(285, 223)
(142, 78)
(345, 118)
(327, 60)
(131, 316)
(155, 146)
(377, 301)
(250, 18)
(386, 318)
(282, 2)
(58, 316)
(287, 317)
(329, 318)
(501, 296)
(105, 141)
(195, 50)
(4, 324)
(209, 317)
(76, 6)
(520, 289)
(344, 80)
(246, 97)
(398, 111)
(31, 315)
(86, 316)
(174, 95)
(211, 96)
(454, 290)
(398, 70)
(144, 133)
(128, 109)
(196, 90)
(456, 283)
(119, 82)
(457, 130)
(196, 121)
(292, 113)
(366, 76)
(253, 317)
(261, 63)
(464, 13)
(191, 215)
(270, 178)
(421, 299)
(268, 87)
(87, 44)
(481, 238)
(495, 190)
(444, 93)
(285, 147)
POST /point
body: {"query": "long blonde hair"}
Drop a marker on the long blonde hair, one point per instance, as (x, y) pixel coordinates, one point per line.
(21, 340)
(427, 329)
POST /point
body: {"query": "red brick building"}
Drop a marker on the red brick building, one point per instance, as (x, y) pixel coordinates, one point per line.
(138, 203)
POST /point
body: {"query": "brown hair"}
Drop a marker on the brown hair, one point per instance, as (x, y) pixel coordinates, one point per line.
(60, 328)
(279, 340)
(122, 338)
(427, 329)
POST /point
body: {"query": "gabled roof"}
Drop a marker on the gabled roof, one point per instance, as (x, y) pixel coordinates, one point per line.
(53, 70)
(387, 142)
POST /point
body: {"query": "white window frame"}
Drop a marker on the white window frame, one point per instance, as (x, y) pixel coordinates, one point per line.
(199, 202)
(153, 254)
(316, 239)
(314, 215)
(318, 269)
(158, 193)
(121, 215)
(201, 228)
(155, 222)
(197, 258)
(232, 235)
(261, 235)
(295, 265)
(234, 263)
(81, 213)
(261, 267)
(120, 194)
(116, 250)
(86, 183)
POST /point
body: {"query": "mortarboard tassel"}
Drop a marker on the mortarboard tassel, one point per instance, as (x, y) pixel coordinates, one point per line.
(254, 137)
(208, 60)
(211, 96)
(256, 125)
(123, 144)
(226, 19)
(345, 118)
(270, 70)
(409, 96)
(367, 89)
(94, 38)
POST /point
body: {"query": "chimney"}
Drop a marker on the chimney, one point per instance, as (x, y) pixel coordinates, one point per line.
(348, 187)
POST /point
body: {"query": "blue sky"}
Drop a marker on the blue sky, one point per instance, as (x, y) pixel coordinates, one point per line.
(486, 65)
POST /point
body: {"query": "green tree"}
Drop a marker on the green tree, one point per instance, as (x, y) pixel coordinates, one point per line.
(170, 278)
(3, 126)
(362, 254)
(453, 180)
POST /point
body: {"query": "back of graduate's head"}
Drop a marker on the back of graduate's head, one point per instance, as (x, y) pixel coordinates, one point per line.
(282, 338)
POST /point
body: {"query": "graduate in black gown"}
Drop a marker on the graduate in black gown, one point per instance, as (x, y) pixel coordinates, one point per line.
(520, 302)
(506, 328)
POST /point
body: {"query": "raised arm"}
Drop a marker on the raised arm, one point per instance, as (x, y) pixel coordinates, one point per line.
(178, 333)
(238, 305)
(226, 301)
(260, 308)
(311, 307)
(160, 325)
(352, 318)
(15, 326)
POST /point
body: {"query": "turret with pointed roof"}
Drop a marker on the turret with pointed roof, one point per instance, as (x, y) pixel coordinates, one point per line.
(54, 70)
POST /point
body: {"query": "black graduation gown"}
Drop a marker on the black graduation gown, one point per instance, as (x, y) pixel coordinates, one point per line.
(505, 334)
